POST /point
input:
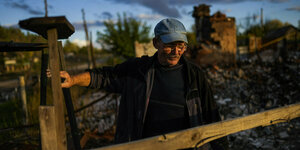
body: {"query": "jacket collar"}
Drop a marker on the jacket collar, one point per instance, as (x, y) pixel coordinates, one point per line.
(148, 63)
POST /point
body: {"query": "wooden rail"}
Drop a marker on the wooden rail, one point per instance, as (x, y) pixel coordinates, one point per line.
(21, 47)
(196, 137)
(276, 40)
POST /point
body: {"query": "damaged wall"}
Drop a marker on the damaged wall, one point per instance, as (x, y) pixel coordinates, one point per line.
(255, 43)
(224, 32)
(274, 39)
(216, 29)
(142, 49)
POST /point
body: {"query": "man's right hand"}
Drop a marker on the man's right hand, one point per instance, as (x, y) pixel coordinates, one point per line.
(69, 82)
(82, 79)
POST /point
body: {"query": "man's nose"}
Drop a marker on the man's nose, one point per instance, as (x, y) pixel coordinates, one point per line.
(175, 50)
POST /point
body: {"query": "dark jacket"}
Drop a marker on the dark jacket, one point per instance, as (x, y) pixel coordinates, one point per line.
(133, 79)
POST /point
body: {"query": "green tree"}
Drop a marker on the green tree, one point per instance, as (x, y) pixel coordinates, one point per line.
(15, 35)
(192, 39)
(256, 30)
(8, 34)
(273, 25)
(71, 47)
(83, 50)
(119, 37)
(191, 36)
(259, 31)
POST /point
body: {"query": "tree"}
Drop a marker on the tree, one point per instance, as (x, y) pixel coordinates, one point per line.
(270, 25)
(191, 36)
(8, 34)
(255, 30)
(119, 37)
(274, 24)
(15, 35)
(70, 47)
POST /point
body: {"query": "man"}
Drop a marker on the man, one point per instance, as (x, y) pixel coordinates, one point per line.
(160, 94)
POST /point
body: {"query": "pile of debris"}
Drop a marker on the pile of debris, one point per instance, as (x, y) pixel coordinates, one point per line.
(96, 123)
(239, 91)
(255, 87)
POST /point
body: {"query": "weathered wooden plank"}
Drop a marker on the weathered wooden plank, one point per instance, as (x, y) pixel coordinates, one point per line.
(61, 56)
(23, 98)
(47, 127)
(69, 104)
(203, 134)
(18, 47)
(40, 26)
(56, 89)
(84, 139)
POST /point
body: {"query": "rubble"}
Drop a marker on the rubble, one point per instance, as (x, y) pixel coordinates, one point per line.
(254, 87)
(239, 91)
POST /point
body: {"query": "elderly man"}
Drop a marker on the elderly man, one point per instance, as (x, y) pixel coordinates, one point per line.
(160, 94)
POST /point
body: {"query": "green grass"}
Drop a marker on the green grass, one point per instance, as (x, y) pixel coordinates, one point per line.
(11, 113)
(12, 117)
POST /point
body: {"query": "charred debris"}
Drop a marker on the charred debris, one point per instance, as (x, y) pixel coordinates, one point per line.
(262, 75)
(245, 80)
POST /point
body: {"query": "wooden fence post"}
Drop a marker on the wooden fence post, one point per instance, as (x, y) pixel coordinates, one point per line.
(68, 101)
(56, 89)
(47, 127)
(23, 97)
(53, 28)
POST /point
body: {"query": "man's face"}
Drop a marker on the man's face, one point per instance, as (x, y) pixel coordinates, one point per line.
(170, 53)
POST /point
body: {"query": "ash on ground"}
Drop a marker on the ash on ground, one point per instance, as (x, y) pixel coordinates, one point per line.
(248, 88)
(254, 87)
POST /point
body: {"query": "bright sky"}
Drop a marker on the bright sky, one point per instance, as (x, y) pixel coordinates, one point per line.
(149, 11)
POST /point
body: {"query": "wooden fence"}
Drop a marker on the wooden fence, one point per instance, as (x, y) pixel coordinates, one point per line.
(196, 137)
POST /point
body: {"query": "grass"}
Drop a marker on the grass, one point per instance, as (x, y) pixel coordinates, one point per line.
(11, 113)
(12, 116)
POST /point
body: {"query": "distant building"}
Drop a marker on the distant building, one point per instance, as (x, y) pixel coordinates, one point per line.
(216, 29)
(142, 49)
(286, 37)
(255, 43)
(216, 36)
(9, 64)
(274, 44)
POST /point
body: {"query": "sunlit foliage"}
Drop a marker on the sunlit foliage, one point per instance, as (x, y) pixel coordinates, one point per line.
(119, 37)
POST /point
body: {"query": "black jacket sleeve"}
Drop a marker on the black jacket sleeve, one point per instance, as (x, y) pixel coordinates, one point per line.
(113, 79)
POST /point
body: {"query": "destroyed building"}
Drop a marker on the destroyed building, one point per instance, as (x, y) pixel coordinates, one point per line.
(273, 45)
(142, 49)
(286, 36)
(217, 29)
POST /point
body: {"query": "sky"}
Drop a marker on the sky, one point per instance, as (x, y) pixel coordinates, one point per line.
(148, 11)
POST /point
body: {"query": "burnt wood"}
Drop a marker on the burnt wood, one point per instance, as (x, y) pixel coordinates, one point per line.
(41, 25)
(69, 104)
(18, 47)
(43, 83)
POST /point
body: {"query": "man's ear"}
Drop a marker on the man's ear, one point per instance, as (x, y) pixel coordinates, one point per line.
(155, 42)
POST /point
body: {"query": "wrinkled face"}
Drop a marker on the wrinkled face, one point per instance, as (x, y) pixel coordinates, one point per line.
(169, 53)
